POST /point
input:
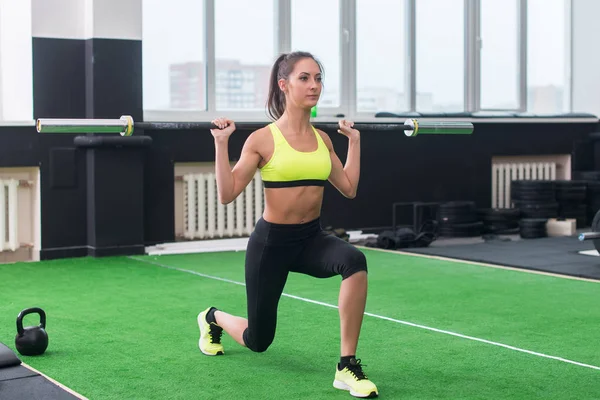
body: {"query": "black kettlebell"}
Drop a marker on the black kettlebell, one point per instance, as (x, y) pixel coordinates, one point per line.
(32, 340)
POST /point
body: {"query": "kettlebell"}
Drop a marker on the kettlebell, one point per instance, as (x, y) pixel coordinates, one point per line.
(31, 340)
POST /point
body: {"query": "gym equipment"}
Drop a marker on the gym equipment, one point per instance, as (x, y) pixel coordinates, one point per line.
(32, 340)
(536, 199)
(533, 228)
(499, 221)
(595, 233)
(406, 237)
(459, 219)
(125, 126)
(338, 232)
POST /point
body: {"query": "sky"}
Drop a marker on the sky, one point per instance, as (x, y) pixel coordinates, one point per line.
(245, 31)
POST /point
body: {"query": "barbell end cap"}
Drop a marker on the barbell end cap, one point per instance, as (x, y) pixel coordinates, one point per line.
(128, 120)
(414, 124)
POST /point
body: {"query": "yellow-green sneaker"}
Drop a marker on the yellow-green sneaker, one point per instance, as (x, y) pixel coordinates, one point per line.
(210, 336)
(353, 379)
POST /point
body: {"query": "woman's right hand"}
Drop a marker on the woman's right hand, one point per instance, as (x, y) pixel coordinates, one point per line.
(225, 128)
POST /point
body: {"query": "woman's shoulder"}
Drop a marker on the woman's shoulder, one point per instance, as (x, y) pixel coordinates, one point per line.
(325, 137)
(260, 137)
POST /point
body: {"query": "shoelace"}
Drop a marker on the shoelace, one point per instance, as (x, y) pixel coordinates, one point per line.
(356, 370)
(215, 333)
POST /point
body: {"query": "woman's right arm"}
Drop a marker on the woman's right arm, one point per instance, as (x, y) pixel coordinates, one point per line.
(230, 183)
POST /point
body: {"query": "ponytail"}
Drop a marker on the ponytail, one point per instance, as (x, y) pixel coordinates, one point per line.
(276, 100)
(282, 68)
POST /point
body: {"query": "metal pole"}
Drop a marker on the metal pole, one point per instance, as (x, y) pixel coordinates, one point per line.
(123, 126)
(589, 236)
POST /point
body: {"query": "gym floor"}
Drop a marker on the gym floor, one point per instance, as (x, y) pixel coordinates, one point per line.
(564, 255)
(125, 328)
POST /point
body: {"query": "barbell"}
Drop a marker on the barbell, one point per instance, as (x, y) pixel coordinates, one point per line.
(594, 234)
(125, 126)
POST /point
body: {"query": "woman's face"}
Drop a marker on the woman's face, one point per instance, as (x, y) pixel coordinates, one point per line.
(303, 86)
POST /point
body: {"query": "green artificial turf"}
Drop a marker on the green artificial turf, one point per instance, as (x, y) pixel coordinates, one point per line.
(124, 328)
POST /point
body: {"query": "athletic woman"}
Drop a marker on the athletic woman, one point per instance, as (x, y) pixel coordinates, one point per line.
(295, 161)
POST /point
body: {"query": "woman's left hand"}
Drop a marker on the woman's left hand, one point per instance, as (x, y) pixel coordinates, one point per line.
(347, 129)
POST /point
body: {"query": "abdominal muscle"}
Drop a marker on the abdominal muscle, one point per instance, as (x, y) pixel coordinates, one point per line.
(295, 205)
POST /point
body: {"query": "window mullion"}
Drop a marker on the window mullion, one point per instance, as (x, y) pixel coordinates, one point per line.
(210, 54)
(283, 26)
(472, 56)
(348, 67)
(522, 46)
(411, 55)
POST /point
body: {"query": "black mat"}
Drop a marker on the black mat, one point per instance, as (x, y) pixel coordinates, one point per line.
(559, 255)
(8, 358)
(17, 372)
(32, 388)
(18, 382)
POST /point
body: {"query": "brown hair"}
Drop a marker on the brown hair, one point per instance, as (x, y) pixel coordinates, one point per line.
(282, 68)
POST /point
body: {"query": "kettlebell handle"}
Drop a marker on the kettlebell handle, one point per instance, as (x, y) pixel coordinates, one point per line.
(31, 310)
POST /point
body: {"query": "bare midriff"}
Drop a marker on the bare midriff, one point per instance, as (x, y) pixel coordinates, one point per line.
(294, 205)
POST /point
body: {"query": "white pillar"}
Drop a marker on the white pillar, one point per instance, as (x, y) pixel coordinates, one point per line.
(16, 100)
(87, 19)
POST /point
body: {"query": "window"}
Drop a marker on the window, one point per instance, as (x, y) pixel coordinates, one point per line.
(440, 63)
(316, 29)
(381, 32)
(499, 55)
(16, 81)
(245, 52)
(547, 80)
(174, 64)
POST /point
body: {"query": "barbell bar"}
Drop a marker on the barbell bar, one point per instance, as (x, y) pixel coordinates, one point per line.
(125, 126)
(594, 235)
(589, 236)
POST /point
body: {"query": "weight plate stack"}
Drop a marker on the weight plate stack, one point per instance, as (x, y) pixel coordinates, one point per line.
(500, 220)
(534, 198)
(532, 228)
(539, 210)
(571, 197)
(459, 219)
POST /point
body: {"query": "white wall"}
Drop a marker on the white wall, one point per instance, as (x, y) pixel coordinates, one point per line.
(85, 19)
(586, 56)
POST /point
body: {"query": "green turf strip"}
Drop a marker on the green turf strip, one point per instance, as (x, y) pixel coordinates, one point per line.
(121, 328)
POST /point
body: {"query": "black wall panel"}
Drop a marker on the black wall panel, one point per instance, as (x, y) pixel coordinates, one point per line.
(394, 168)
(58, 78)
(113, 78)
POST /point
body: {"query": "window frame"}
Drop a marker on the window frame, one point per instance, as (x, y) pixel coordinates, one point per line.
(348, 65)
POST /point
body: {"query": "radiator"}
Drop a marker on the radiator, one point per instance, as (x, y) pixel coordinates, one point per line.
(205, 217)
(8, 214)
(504, 173)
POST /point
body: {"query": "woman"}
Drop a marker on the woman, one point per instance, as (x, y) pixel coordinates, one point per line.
(295, 161)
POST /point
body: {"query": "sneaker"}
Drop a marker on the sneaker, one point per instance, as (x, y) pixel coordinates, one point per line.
(210, 336)
(353, 379)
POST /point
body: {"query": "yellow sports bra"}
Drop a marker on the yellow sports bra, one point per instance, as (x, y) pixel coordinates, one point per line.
(289, 167)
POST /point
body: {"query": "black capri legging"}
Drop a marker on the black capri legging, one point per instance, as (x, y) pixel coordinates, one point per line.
(275, 250)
